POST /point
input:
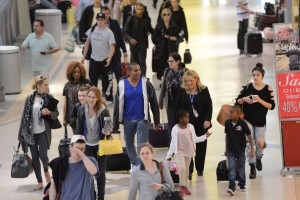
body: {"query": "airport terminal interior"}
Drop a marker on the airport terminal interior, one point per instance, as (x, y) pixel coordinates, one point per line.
(213, 31)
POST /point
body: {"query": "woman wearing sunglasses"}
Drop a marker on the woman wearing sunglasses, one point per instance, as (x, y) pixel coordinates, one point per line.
(165, 40)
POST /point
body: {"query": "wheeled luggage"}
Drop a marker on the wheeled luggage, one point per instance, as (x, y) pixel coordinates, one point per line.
(64, 144)
(221, 171)
(253, 43)
(159, 138)
(118, 162)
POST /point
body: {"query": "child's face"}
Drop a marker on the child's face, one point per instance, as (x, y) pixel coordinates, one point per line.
(82, 96)
(234, 115)
(185, 119)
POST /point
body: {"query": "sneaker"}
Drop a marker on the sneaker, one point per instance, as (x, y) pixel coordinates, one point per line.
(252, 174)
(243, 189)
(230, 191)
(184, 191)
(258, 164)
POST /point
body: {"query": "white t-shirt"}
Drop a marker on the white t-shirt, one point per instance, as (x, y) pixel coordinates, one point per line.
(241, 14)
(101, 40)
(37, 128)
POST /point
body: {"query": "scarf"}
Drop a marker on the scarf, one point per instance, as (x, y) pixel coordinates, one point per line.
(174, 82)
(27, 127)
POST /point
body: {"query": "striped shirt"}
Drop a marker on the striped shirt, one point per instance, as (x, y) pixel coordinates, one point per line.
(241, 14)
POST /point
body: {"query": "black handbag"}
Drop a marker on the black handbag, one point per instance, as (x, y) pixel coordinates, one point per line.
(54, 124)
(21, 165)
(173, 194)
(187, 57)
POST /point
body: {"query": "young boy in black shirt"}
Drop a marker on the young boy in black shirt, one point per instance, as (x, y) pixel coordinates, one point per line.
(235, 130)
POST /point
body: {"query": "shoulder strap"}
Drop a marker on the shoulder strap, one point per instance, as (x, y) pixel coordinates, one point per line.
(161, 169)
(93, 27)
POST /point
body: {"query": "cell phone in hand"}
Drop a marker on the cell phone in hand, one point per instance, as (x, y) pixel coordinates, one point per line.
(208, 134)
(43, 52)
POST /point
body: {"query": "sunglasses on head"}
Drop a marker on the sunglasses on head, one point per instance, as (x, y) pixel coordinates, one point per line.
(166, 14)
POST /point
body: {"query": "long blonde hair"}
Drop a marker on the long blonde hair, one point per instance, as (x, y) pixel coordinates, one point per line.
(194, 74)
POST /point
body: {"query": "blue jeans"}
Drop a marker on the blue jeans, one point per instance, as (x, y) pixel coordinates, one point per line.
(131, 127)
(236, 166)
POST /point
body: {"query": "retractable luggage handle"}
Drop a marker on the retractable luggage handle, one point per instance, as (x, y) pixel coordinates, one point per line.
(162, 120)
(66, 133)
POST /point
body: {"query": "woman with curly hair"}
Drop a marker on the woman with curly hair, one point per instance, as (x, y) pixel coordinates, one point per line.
(76, 75)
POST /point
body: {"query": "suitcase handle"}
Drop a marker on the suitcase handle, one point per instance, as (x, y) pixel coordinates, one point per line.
(66, 132)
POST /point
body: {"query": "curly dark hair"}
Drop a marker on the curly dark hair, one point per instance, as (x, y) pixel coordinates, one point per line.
(70, 70)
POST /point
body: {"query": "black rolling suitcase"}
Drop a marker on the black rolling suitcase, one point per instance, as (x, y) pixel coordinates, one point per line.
(64, 144)
(159, 138)
(253, 43)
(118, 162)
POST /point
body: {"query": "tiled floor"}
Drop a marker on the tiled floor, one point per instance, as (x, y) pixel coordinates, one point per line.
(212, 27)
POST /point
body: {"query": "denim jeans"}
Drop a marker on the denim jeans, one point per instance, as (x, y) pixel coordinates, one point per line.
(257, 133)
(236, 167)
(131, 127)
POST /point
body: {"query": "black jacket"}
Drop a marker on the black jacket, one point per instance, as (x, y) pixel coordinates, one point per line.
(202, 103)
(179, 18)
(81, 121)
(85, 22)
(131, 29)
(115, 28)
(127, 12)
(159, 40)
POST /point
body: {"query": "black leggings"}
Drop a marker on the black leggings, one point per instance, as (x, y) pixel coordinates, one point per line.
(39, 151)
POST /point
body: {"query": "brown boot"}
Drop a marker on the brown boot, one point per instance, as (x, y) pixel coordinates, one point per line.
(47, 177)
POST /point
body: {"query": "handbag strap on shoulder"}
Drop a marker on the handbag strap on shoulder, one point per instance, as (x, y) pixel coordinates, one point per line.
(161, 169)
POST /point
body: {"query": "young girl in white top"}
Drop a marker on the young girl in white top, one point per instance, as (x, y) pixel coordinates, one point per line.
(183, 146)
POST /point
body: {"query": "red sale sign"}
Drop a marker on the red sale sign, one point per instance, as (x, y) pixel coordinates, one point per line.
(289, 95)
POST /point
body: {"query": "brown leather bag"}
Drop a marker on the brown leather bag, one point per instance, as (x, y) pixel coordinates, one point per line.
(224, 114)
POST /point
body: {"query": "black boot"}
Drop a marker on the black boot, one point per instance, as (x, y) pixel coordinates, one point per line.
(252, 174)
(258, 164)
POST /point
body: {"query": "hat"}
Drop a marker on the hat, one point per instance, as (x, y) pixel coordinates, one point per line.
(75, 138)
(100, 16)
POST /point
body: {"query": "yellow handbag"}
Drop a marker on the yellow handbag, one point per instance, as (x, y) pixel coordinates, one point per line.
(110, 146)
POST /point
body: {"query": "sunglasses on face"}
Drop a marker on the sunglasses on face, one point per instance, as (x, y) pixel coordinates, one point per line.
(166, 14)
